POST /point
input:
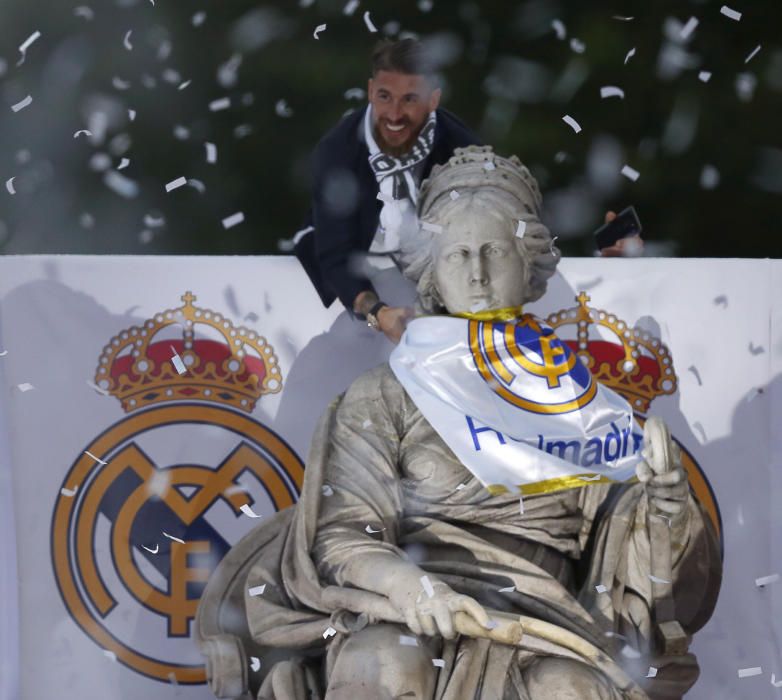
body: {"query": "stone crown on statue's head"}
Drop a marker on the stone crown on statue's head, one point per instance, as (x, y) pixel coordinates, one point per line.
(234, 367)
(639, 367)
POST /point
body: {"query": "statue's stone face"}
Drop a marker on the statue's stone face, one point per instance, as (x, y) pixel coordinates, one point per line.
(477, 265)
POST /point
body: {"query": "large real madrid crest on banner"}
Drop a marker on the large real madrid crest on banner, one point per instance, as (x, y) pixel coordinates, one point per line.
(151, 505)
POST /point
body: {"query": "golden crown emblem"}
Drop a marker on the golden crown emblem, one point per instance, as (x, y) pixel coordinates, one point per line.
(149, 364)
(639, 366)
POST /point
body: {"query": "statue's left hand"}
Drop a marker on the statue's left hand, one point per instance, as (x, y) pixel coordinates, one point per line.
(393, 321)
(661, 471)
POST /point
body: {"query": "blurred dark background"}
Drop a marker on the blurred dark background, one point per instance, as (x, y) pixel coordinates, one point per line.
(709, 153)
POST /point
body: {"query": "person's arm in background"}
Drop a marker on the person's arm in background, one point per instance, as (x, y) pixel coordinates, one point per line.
(630, 247)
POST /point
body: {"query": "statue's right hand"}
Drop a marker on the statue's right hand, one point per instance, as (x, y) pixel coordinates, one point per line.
(433, 616)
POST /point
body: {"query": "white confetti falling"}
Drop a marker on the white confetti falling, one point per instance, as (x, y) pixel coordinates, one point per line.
(440, 663)
(749, 672)
(427, 586)
(132, 114)
(219, 104)
(595, 477)
(183, 85)
(623, 19)
(350, 8)
(93, 386)
(255, 664)
(320, 28)
(151, 551)
(407, 641)
(176, 360)
(69, 493)
(211, 152)
(282, 109)
(461, 486)
(372, 531)
(600, 588)
(657, 579)
(509, 589)
(366, 424)
(119, 83)
(198, 18)
(688, 28)
(611, 91)
(330, 632)
(124, 163)
(371, 27)
(327, 490)
(255, 591)
(432, 228)
(629, 55)
(521, 229)
(731, 14)
(454, 195)
(26, 45)
(752, 54)
(175, 539)
(559, 27)
(9, 185)
(577, 46)
(25, 386)
(704, 76)
(83, 11)
(126, 40)
(233, 220)
(249, 512)
(86, 132)
(174, 184)
(197, 185)
(123, 186)
(488, 165)
(630, 653)
(765, 580)
(775, 682)
(110, 655)
(22, 104)
(521, 505)
(630, 173)
(572, 123)
(97, 459)
(652, 672)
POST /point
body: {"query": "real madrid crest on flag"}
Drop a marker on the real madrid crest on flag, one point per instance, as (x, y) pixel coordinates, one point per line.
(151, 505)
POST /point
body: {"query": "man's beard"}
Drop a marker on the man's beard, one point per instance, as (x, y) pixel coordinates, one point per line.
(395, 151)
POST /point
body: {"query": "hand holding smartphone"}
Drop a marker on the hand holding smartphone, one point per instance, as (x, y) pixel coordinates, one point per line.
(625, 224)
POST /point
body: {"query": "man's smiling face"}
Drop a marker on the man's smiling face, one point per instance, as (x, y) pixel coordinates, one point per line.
(401, 104)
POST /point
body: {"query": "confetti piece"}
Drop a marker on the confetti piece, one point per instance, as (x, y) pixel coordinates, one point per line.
(119, 83)
(461, 486)
(330, 632)
(198, 18)
(320, 28)
(219, 104)
(69, 493)
(694, 370)
(354, 94)
(596, 477)
(83, 11)
(623, 19)
(25, 386)
(731, 14)
(454, 195)
(86, 132)
(521, 505)
(572, 123)
(721, 300)
(371, 27)
(433, 228)
(350, 8)
(211, 152)
(255, 664)
(600, 588)
(366, 424)
(171, 537)
(26, 45)
(152, 551)
(92, 456)
(509, 589)
(427, 586)
(630, 173)
(425, 5)
(752, 54)
(123, 186)
(95, 387)
(109, 655)
(688, 28)
(440, 663)
(197, 185)
(281, 109)
(759, 350)
(132, 114)
(765, 580)
(22, 104)
(176, 360)
(183, 85)
(521, 229)
(629, 55)
(327, 490)
(124, 163)
(249, 512)
(577, 45)
(611, 91)
(652, 672)
(488, 165)
(126, 40)
(9, 185)
(233, 220)
(657, 579)
(559, 27)
(407, 641)
(175, 183)
(256, 590)
(704, 76)
(775, 682)
(630, 653)
(749, 672)
(491, 624)
(369, 530)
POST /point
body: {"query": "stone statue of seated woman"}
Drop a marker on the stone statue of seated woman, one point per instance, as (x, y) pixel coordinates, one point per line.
(411, 569)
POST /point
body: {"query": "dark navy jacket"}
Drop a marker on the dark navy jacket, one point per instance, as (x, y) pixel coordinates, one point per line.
(342, 154)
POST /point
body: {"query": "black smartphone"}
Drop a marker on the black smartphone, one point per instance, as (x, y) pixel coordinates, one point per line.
(625, 224)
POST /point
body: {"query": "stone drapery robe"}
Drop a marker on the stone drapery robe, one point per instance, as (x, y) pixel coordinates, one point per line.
(387, 468)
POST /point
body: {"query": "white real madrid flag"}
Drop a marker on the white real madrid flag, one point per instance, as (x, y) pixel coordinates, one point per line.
(515, 404)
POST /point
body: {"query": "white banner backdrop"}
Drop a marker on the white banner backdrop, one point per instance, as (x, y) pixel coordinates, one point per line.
(110, 558)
